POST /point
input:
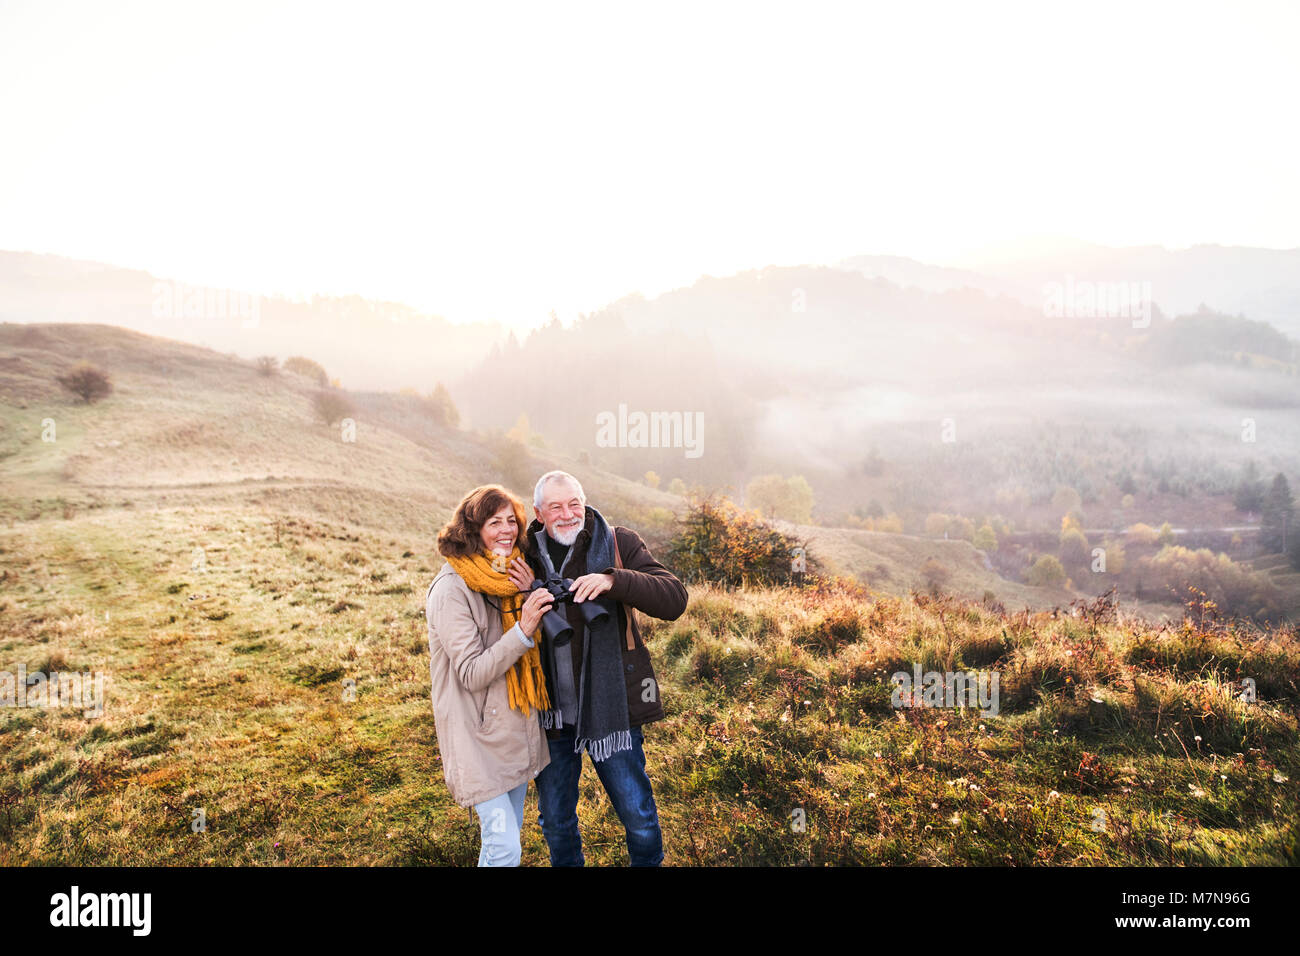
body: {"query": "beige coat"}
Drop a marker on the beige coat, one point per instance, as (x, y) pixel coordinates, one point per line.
(487, 748)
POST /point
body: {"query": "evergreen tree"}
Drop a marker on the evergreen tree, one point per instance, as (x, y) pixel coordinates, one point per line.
(1277, 530)
(1249, 496)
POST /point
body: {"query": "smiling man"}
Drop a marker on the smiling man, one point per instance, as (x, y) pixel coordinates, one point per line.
(601, 684)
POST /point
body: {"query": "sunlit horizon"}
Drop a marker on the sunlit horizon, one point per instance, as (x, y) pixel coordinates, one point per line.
(497, 166)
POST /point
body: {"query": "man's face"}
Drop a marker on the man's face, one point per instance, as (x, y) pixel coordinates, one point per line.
(562, 511)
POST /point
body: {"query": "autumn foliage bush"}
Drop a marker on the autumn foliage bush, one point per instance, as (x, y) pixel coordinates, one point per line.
(1235, 590)
(720, 543)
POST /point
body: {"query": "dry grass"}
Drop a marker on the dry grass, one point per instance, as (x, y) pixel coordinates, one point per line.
(226, 693)
(226, 675)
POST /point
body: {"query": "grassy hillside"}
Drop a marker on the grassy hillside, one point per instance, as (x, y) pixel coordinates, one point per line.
(234, 567)
(188, 426)
(226, 692)
(1284, 575)
(892, 563)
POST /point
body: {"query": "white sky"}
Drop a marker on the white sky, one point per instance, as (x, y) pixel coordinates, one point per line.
(497, 161)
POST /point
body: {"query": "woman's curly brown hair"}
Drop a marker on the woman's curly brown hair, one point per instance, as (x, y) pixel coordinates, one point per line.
(460, 538)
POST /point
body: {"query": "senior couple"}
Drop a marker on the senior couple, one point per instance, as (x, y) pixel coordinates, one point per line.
(511, 704)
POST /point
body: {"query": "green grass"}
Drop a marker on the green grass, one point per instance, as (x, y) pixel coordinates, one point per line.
(229, 565)
(225, 693)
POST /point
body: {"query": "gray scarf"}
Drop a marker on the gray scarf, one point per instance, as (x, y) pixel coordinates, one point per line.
(602, 727)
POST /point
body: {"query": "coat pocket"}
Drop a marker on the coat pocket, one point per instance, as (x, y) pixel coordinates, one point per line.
(496, 701)
(643, 703)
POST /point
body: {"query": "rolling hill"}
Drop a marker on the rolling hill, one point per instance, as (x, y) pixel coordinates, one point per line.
(192, 430)
(405, 348)
(251, 585)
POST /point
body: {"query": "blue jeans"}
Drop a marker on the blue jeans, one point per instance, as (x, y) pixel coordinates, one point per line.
(499, 822)
(624, 779)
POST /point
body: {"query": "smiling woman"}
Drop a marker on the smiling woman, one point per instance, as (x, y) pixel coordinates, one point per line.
(487, 685)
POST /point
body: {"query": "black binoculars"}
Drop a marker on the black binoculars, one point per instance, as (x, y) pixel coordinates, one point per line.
(555, 625)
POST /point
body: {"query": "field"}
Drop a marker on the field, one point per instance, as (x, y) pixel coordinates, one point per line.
(252, 588)
(226, 693)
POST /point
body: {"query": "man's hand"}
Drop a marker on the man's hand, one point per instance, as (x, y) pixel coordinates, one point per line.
(520, 574)
(590, 585)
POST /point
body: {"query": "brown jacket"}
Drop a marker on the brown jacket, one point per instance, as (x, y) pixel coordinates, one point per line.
(487, 748)
(641, 583)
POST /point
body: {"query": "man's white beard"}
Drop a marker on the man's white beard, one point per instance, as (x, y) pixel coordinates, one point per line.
(566, 538)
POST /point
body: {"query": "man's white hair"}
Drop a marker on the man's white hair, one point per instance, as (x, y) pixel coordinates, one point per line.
(554, 476)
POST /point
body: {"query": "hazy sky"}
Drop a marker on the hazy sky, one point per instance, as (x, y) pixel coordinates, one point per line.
(500, 160)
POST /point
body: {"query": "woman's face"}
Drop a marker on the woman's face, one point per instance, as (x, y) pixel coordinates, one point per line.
(500, 531)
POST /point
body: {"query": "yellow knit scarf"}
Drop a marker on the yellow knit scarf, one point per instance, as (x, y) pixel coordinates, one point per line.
(525, 681)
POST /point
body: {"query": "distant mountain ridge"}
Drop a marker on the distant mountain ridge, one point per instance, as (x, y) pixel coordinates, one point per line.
(1262, 284)
(403, 347)
(782, 312)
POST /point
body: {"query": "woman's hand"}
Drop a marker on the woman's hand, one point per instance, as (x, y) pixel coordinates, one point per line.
(538, 603)
(520, 574)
